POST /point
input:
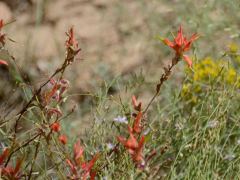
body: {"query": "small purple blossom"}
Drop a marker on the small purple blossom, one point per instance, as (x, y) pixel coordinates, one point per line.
(121, 119)
(146, 131)
(110, 146)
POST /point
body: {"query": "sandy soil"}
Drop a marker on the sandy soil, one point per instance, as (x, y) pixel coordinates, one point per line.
(110, 35)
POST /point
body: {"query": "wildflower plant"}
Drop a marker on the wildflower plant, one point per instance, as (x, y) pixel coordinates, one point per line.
(44, 107)
(139, 142)
(181, 44)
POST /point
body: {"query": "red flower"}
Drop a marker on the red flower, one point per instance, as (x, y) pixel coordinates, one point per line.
(13, 173)
(87, 167)
(4, 155)
(63, 139)
(136, 106)
(56, 91)
(71, 41)
(80, 163)
(137, 155)
(2, 36)
(93, 175)
(130, 143)
(56, 127)
(181, 45)
(137, 128)
(78, 153)
(133, 146)
(3, 62)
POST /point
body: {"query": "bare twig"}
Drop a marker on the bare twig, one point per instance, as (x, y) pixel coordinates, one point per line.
(163, 78)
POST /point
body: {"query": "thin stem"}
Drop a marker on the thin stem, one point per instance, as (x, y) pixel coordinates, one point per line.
(34, 158)
(25, 144)
(163, 78)
(68, 60)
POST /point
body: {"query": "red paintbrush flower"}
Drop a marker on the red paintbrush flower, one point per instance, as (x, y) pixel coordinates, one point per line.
(56, 90)
(130, 143)
(78, 153)
(137, 154)
(87, 167)
(93, 175)
(71, 41)
(181, 45)
(4, 155)
(137, 128)
(13, 173)
(134, 147)
(63, 139)
(55, 127)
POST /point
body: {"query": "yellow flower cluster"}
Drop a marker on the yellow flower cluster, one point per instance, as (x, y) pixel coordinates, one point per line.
(209, 71)
(234, 53)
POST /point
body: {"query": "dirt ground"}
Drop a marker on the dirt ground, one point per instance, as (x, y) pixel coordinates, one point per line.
(113, 36)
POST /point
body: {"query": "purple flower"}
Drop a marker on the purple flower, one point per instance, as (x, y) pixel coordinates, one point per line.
(121, 119)
(110, 146)
(146, 131)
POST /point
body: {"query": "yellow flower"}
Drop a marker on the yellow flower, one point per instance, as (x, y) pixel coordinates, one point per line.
(231, 76)
(206, 71)
(233, 48)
